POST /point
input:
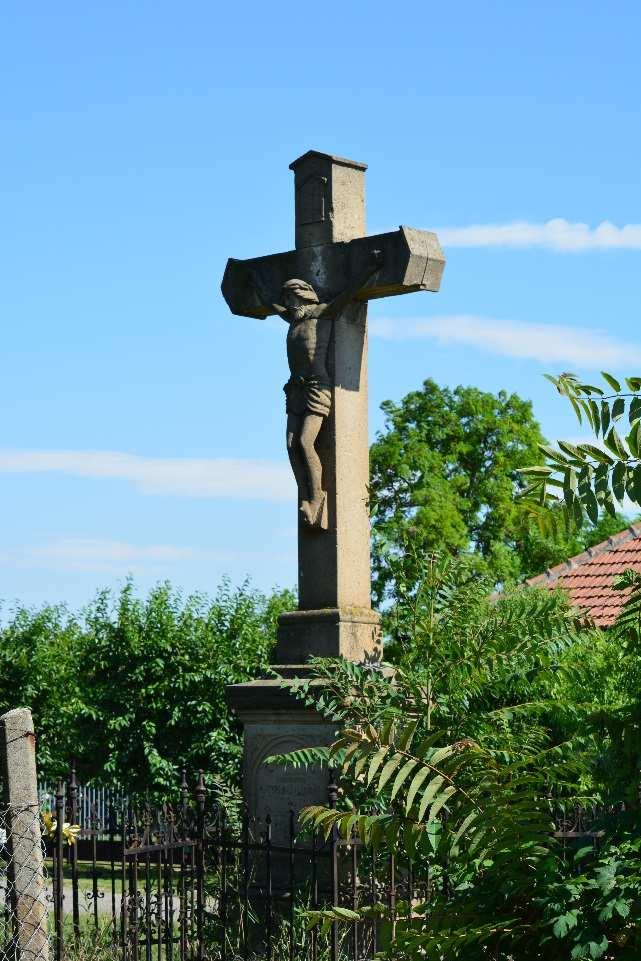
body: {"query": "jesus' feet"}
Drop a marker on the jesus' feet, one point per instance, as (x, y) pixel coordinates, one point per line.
(313, 511)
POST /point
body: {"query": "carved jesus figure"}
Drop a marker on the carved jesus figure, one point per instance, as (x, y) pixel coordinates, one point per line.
(308, 392)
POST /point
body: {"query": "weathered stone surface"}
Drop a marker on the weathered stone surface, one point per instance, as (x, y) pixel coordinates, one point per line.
(275, 723)
(334, 567)
(330, 198)
(350, 632)
(412, 260)
(321, 289)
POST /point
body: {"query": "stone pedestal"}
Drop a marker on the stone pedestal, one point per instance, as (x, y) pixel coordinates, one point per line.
(275, 722)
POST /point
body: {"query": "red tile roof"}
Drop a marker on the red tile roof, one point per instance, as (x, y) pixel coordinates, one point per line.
(588, 577)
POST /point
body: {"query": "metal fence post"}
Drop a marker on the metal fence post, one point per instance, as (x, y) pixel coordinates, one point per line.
(269, 913)
(72, 810)
(332, 793)
(200, 793)
(59, 871)
(24, 835)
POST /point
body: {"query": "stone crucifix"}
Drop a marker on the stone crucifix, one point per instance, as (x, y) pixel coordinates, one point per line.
(321, 290)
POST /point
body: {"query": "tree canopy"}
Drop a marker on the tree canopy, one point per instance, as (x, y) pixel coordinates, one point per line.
(446, 467)
(445, 472)
(134, 687)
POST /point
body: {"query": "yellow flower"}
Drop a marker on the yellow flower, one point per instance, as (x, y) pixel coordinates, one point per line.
(70, 832)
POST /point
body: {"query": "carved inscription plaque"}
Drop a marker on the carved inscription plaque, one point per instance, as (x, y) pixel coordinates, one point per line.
(275, 790)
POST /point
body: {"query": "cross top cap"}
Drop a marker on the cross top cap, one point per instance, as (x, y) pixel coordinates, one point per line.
(319, 155)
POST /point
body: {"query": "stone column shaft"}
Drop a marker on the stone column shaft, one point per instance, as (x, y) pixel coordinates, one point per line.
(334, 565)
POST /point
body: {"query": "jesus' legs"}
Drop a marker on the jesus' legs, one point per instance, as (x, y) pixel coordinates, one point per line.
(294, 427)
(313, 508)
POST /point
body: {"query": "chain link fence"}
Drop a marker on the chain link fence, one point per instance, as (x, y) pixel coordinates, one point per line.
(23, 900)
(23, 896)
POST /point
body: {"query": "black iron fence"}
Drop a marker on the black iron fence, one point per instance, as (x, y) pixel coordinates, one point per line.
(93, 802)
(194, 880)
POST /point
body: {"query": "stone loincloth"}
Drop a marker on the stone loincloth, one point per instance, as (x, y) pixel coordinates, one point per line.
(307, 396)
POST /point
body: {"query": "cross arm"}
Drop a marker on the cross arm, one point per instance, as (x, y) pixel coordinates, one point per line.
(410, 260)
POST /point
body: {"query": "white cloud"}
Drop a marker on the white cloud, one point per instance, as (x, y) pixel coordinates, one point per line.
(558, 235)
(548, 343)
(105, 550)
(229, 478)
(115, 557)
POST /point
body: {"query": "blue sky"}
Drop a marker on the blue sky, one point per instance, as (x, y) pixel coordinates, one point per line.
(145, 143)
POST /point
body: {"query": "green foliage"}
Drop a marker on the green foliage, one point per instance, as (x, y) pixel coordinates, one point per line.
(40, 668)
(499, 709)
(451, 761)
(628, 626)
(590, 478)
(444, 474)
(135, 687)
(595, 912)
(619, 716)
(446, 467)
(92, 944)
(556, 542)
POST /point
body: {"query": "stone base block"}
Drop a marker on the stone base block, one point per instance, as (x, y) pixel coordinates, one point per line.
(275, 723)
(351, 632)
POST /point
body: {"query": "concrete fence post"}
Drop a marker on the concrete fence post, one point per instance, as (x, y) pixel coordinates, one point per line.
(24, 836)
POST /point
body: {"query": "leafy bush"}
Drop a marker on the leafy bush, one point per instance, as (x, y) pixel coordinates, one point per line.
(588, 478)
(135, 687)
(497, 712)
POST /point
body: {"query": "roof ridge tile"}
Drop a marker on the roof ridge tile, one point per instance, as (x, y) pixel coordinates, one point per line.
(588, 576)
(632, 532)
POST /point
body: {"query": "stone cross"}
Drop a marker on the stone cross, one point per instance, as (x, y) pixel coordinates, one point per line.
(321, 290)
(333, 272)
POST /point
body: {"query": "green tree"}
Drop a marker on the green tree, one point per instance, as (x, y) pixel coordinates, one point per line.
(539, 549)
(39, 668)
(135, 687)
(447, 467)
(155, 672)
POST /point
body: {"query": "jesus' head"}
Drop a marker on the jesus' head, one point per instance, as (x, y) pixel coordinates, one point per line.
(297, 293)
